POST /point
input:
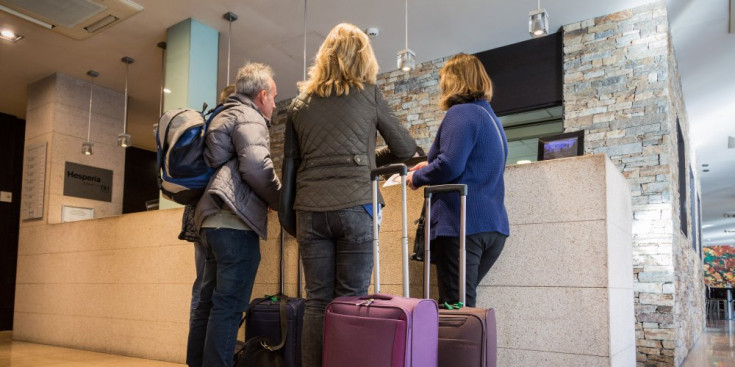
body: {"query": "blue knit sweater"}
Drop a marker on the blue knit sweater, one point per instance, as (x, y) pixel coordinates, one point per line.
(468, 150)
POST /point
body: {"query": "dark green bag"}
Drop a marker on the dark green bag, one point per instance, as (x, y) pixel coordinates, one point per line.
(258, 352)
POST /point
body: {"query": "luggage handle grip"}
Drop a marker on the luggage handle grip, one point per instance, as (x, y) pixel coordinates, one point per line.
(383, 297)
(462, 188)
(452, 321)
(391, 168)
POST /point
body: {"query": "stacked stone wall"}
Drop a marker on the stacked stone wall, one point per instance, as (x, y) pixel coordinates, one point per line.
(415, 97)
(689, 318)
(621, 86)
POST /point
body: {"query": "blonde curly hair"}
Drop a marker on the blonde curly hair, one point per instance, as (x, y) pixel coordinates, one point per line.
(345, 59)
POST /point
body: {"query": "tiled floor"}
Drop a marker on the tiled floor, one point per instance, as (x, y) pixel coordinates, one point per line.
(20, 354)
(715, 347)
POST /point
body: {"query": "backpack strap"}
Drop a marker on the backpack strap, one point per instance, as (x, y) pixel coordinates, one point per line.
(210, 115)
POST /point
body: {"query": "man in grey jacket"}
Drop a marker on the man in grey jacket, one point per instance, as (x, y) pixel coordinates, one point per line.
(232, 214)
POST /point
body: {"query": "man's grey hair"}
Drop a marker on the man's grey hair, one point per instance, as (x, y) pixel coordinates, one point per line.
(254, 77)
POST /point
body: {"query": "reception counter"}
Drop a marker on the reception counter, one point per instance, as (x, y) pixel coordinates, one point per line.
(562, 288)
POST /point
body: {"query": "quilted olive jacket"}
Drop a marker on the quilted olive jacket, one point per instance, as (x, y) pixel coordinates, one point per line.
(238, 142)
(330, 149)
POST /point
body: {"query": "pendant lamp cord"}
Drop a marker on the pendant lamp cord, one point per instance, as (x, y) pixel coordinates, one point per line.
(305, 10)
(407, 24)
(125, 113)
(229, 43)
(89, 123)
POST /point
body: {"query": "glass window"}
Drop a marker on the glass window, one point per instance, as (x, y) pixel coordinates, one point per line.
(523, 130)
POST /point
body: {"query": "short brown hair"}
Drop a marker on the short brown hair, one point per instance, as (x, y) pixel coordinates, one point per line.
(225, 93)
(344, 60)
(463, 79)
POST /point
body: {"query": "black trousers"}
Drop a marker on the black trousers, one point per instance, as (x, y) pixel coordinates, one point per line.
(483, 249)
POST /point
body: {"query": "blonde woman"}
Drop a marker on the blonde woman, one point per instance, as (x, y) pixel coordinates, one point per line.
(329, 152)
(470, 148)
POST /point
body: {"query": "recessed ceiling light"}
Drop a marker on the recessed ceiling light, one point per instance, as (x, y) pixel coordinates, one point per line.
(523, 161)
(166, 90)
(705, 170)
(705, 164)
(9, 35)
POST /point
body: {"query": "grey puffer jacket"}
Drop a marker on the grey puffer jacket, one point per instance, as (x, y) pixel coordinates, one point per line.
(238, 143)
(334, 147)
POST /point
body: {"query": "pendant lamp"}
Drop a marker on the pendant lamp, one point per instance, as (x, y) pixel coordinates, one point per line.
(125, 140)
(406, 57)
(87, 145)
(538, 22)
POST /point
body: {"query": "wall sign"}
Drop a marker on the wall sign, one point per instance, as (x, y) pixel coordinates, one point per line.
(87, 182)
(73, 213)
(34, 181)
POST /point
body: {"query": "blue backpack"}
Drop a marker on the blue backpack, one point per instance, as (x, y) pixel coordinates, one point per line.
(182, 172)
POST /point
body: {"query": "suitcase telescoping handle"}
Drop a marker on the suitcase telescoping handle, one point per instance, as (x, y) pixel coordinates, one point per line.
(428, 191)
(374, 177)
(282, 267)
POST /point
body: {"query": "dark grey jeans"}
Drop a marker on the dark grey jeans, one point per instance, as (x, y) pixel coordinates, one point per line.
(337, 254)
(483, 249)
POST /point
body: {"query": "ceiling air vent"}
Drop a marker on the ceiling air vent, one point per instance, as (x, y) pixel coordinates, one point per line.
(77, 19)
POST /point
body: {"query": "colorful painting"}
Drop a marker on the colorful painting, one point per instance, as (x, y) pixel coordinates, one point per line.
(719, 266)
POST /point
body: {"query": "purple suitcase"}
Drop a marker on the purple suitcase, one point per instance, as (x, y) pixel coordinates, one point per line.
(467, 336)
(382, 330)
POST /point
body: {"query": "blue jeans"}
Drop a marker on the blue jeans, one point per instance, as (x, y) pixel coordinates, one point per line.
(337, 254)
(200, 258)
(227, 283)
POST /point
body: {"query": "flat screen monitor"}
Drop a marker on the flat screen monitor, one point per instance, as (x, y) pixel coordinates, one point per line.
(561, 145)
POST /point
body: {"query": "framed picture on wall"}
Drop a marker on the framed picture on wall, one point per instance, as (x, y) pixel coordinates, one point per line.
(561, 145)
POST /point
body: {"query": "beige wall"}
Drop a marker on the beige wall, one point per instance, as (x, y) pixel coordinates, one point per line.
(58, 114)
(122, 284)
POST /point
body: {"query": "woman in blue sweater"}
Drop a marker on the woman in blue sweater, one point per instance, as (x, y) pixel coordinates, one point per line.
(470, 148)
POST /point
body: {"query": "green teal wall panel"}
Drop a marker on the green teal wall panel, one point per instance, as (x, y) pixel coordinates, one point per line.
(204, 49)
(191, 65)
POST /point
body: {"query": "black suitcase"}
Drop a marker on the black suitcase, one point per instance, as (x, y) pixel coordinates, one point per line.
(467, 336)
(263, 319)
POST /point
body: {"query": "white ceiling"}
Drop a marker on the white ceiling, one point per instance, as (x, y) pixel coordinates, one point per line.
(272, 31)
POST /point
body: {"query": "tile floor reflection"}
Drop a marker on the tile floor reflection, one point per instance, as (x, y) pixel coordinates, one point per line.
(21, 354)
(715, 347)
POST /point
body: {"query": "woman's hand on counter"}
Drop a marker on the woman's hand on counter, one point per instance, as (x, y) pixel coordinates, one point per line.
(409, 180)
